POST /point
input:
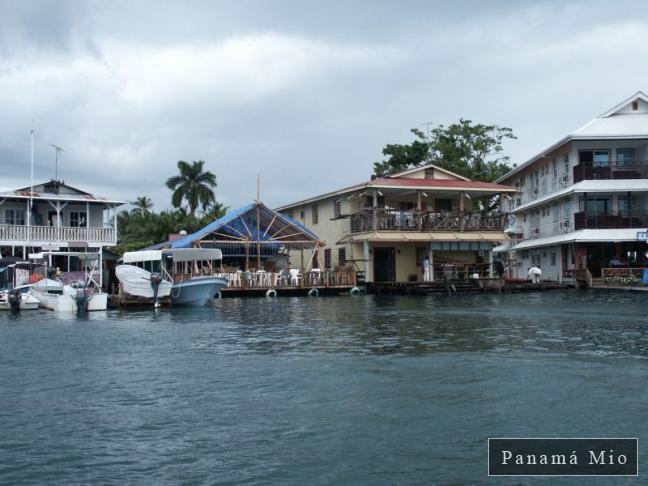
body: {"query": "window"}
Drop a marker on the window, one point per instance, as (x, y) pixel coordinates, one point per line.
(443, 204)
(599, 205)
(566, 164)
(626, 157)
(341, 256)
(337, 209)
(635, 105)
(601, 158)
(429, 173)
(553, 257)
(327, 258)
(77, 219)
(624, 206)
(301, 215)
(315, 213)
(522, 181)
(556, 212)
(518, 202)
(15, 216)
(554, 165)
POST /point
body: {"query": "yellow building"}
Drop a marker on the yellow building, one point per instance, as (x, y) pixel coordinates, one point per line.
(386, 226)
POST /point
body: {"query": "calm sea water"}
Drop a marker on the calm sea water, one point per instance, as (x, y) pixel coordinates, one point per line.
(347, 390)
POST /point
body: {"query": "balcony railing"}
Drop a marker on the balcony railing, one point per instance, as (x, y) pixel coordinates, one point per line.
(49, 234)
(611, 220)
(412, 220)
(611, 170)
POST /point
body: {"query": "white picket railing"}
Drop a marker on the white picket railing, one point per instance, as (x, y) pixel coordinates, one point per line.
(52, 234)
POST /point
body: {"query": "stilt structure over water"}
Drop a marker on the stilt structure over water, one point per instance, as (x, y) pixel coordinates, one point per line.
(257, 243)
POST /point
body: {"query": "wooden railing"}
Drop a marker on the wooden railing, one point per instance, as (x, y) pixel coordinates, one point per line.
(622, 272)
(611, 220)
(611, 170)
(411, 220)
(51, 234)
(272, 280)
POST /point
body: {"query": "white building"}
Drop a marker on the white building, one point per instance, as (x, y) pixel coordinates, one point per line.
(61, 216)
(583, 200)
(387, 226)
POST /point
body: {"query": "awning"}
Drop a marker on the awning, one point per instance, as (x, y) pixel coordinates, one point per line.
(582, 236)
(193, 254)
(142, 256)
(405, 236)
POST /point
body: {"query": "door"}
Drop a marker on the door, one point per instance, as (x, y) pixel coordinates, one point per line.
(384, 264)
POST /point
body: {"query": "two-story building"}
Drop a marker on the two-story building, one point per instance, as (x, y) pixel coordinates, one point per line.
(387, 226)
(584, 199)
(62, 217)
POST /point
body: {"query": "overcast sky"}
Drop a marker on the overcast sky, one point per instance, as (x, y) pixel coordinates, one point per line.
(305, 94)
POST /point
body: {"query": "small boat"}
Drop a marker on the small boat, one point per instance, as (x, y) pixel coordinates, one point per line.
(188, 275)
(141, 275)
(194, 275)
(70, 291)
(14, 294)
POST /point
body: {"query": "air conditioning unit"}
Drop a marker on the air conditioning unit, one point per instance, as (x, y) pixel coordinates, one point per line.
(564, 180)
(565, 225)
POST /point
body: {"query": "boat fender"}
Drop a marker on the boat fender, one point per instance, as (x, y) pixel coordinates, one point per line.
(313, 293)
(270, 293)
(354, 291)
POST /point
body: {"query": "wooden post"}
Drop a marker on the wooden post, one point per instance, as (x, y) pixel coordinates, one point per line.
(247, 256)
(419, 216)
(461, 211)
(374, 210)
(87, 221)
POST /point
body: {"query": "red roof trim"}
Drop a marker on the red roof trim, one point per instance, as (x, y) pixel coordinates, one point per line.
(441, 183)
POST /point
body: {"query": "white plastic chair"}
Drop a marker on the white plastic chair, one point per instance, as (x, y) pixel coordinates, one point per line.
(294, 276)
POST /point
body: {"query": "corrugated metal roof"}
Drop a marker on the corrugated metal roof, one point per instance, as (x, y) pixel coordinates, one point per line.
(584, 236)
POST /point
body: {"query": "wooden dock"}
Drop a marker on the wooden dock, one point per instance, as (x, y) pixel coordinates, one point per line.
(456, 286)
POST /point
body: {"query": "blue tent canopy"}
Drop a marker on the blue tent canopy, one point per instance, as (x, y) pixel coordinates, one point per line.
(251, 224)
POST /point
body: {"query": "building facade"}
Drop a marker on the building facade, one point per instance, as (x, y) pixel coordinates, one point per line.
(387, 226)
(61, 217)
(583, 200)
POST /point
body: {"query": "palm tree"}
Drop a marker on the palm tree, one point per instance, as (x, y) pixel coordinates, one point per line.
(143, 205)
(193, 184)
(215, 211)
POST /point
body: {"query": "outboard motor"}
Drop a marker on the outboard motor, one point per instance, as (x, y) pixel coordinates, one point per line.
(81, 296)
(156, 280)
(15, 298)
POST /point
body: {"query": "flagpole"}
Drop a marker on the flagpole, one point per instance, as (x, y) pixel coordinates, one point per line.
(31, 191)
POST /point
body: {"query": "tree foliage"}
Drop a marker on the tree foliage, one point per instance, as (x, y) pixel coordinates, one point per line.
(473, 150)
(141, 226)
(193, 184)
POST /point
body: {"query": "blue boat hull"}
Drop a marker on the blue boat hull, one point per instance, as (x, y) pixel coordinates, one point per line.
(196, 292)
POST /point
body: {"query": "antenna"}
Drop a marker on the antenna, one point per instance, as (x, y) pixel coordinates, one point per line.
(258, 198)
(58, 151)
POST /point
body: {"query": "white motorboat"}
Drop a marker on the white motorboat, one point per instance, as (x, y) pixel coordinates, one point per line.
(14, 294)
(70, 291)
(193, 271)
(139, 282)
(188, 275)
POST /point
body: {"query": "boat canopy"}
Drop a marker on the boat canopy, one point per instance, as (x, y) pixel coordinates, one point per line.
(142, 256)
(193, 254)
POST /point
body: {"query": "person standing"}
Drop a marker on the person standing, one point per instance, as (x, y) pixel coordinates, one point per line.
(426, 269)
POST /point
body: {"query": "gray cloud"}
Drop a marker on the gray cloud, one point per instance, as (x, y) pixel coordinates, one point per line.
(303, 93)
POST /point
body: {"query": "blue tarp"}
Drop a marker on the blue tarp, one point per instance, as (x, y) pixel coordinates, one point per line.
(242, 223)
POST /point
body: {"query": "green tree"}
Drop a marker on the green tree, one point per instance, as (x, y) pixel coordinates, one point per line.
(213, 212)
(143, 204)
(473, 150)
(193, 185)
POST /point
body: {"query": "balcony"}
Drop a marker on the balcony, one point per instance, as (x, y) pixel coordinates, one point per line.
(411, 220)
(611, 220)
(611, 170)
(52, 234)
